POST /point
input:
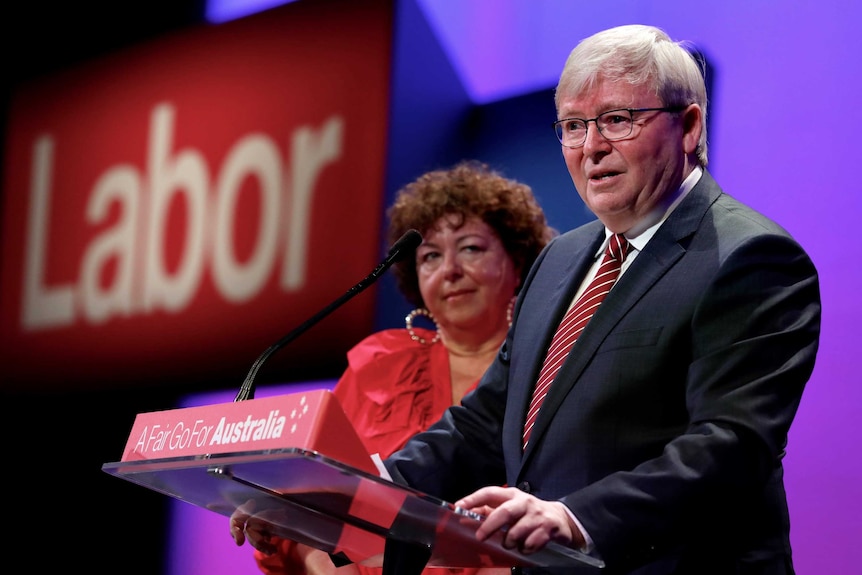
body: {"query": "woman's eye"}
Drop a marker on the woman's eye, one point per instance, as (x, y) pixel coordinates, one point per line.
(473, 251)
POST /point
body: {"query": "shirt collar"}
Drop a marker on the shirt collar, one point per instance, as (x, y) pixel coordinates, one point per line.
(644, 230)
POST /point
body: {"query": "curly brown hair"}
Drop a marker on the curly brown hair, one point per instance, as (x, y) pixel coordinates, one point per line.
(468, 189)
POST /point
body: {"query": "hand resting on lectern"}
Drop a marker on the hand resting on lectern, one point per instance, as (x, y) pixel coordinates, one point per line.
(266, 528)
(257, 526)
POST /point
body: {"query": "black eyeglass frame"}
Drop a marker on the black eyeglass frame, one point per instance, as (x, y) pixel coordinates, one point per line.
(631, 111)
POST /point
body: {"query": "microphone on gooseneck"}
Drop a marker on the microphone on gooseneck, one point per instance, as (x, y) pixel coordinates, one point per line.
(399, 250)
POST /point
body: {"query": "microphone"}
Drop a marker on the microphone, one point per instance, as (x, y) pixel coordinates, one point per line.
(399, 250)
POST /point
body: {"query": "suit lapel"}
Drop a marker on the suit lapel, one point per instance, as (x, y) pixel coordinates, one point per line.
(658, 256)
(567, 262)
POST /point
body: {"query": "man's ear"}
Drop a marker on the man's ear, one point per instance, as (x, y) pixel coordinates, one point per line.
(692, 125)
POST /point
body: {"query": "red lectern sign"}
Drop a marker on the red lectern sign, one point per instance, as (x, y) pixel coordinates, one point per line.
(312, 420)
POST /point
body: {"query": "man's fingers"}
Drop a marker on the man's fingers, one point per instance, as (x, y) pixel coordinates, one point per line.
(490, 497)
(236, 531)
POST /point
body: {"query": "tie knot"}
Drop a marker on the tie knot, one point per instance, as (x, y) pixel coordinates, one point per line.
(618, 247)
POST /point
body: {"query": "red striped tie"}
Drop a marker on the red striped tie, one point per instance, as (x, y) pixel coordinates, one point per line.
(574, 322)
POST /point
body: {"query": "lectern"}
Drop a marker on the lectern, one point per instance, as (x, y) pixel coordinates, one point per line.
(295, 463)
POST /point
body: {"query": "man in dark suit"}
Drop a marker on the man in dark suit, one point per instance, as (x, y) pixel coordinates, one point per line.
(658, 447)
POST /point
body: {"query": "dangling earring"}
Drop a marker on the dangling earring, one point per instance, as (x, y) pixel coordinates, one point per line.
(510, 310)
(408, 322)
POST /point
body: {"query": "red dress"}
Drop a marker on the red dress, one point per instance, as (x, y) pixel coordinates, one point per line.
(393, 388)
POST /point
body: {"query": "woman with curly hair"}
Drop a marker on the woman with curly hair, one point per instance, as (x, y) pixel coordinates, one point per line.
(481, 233)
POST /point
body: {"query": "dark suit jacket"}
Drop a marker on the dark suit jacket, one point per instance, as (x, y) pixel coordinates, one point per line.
(666, 426)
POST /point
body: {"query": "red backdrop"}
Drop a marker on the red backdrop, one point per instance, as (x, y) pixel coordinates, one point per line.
(172, 210)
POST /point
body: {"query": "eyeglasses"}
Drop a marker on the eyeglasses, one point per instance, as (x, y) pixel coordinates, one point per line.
(613, 125)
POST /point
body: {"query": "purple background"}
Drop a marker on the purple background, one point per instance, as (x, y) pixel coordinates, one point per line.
(786, 121)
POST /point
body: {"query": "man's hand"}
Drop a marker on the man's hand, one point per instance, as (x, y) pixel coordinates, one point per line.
(237, 521)
(246, 525)
(526, 522)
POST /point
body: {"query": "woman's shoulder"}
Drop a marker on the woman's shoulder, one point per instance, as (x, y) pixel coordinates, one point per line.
(395, 340)
(393, 351)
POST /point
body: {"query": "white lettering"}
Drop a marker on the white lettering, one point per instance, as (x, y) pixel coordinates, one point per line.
(141, 445)
(248, 429)
(123, 185)
(186, 173)
(42, 307)
(310, 153)
(124, 271)
(256, 155)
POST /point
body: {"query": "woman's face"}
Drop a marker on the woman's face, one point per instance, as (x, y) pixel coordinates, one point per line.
(466, 277)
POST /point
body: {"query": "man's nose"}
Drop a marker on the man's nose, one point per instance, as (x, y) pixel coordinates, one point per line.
(594, 140)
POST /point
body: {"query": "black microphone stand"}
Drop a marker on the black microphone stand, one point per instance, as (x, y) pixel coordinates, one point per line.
(409, 241)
